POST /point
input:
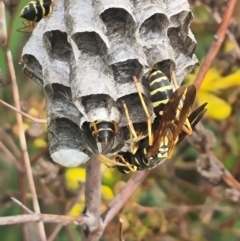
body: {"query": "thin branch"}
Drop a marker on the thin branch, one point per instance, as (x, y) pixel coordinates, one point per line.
(39, 217)
(58, 228)
(11, 23)
(22, 138)
(71, 234)
(21, 205)
(42, 152)
(230, 35)
(8, 140)
(119, 201)
(65, 219)
(23, 113)
(55, 232)
(5, 42)
(211, 168)
(93, 228)
(220, 35)
(11, 157)
(121, 230)
(3, 29)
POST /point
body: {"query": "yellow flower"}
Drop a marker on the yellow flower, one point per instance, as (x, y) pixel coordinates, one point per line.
(214, 84)
(107, 192)
(73, 177)
(78, 207)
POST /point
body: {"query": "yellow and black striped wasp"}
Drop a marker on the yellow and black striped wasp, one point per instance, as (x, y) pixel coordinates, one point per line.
(174, 120)
(34, 11)
(100, 135)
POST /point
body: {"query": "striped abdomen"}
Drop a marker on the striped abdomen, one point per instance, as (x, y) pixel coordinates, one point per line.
(160, 91)
(140, 160)
(104, 131)
(36, 10)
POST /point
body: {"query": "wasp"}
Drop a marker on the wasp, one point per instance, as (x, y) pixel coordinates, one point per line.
(34, 11)
(100, 132)
(166, 135)
(174, 120)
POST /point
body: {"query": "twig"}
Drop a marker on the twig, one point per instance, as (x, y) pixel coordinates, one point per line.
(23, 113)
(22, 138)
(21, 205)
(93, 229)
(40, 217)
(71, 234)
(3, 29)
(211, 168)
(119, 201)
(55, 232)
(9, 141)
(11, 157)
(58, 228)
(5, 40)
(230, 35)
(11, 23)
(42, 152)
(220, 35)
(121, 229)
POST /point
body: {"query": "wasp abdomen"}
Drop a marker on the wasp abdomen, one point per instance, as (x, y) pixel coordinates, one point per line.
(160, 91)
(140, 161)
(36, 10)
(104, 131)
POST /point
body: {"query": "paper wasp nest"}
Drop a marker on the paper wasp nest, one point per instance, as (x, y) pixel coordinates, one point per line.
(86, 53)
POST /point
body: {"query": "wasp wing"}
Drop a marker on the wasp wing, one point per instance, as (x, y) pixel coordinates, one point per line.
(169, 114)
(184, 111)
(194, 118)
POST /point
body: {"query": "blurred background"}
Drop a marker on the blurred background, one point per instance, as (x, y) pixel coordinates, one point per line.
(174, 202)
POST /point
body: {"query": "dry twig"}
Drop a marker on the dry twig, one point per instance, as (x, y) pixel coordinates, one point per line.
(8, 141)
(119, 201)
(21, 205)
(3, 29)
(39, 217)
(3, 79)
(121, 230)
(93, 223)
(211, 168)
(58, 228)
(22, 138)
(229, 33)
(11, 157)
(219, 37)
(23, 113)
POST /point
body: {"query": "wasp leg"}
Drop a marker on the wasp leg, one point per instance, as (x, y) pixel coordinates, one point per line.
(149, 119)
(187, 128)
(132, 168)
(131, 142)
(112, 163)
(116, 128)
(171, 147)
(133, 133)
(174, 80)
(95, 130)
(130, 124)
(27, 24)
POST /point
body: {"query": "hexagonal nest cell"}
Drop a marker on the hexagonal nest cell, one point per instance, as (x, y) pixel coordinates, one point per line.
(86, 54)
